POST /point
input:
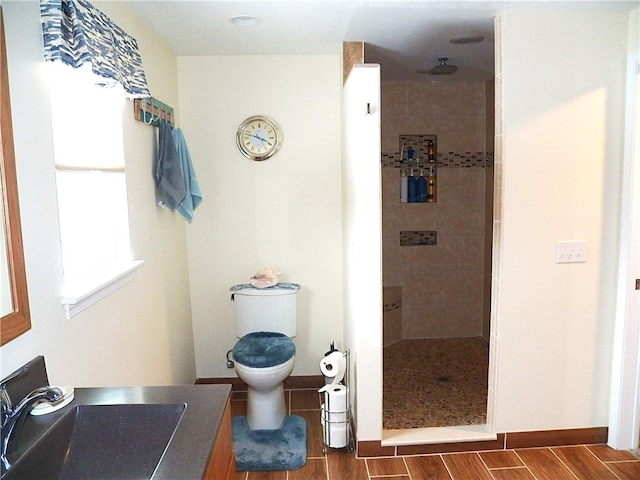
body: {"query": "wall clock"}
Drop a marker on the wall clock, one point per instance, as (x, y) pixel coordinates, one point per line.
(259, 137)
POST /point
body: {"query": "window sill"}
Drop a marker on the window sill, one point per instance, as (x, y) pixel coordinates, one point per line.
(85, 291)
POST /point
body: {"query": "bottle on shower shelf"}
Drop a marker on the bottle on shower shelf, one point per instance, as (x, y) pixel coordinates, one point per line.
(412, 187)
(431, 151)
(404, 184)
(421, 184)
(432, 185)
(403, 178)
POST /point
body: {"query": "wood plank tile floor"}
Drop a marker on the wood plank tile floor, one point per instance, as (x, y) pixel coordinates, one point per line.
(585, 462)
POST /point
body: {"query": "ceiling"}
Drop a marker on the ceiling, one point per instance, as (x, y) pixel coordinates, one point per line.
(403, 36)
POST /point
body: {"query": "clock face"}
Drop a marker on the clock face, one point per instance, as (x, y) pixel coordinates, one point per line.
(258, 137)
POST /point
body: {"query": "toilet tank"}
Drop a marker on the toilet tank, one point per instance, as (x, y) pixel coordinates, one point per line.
(271, 309)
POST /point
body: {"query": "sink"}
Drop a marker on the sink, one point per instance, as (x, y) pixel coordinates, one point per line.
(110, 442)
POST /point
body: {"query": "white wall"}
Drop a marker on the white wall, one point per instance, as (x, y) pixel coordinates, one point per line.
(362, 207)
(560, 137)
(141, 334)
(624, 424)
(284, 212)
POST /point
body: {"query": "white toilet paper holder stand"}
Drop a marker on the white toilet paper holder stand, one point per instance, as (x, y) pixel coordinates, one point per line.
(335, 417)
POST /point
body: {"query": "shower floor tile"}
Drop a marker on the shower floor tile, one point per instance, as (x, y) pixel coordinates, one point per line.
(435, 382)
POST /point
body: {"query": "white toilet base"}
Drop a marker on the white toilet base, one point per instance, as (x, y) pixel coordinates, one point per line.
(265, 408)
(265, 394)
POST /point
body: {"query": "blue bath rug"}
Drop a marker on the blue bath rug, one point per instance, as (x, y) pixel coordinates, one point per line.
(281, 449)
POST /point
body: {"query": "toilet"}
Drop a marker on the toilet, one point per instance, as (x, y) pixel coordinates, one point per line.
(265, 319)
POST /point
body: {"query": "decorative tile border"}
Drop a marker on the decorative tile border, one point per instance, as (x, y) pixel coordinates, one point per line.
(419, 143)
(447, 160)
(418, 238)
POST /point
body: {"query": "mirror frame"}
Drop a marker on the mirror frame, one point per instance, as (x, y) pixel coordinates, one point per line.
(19, 321)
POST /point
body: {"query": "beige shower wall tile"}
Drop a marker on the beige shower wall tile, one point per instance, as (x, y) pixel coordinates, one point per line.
(453, 288)
(394, 98)
(460, 219)
(391, 294)
(392, 326)
(390, 186)
(446, 287)
(472, 253)
(422, 123)
(456, 112)
(392, 261)
(395, 125)
(496, 254)
(408, 216)
(392, 127)
(497, 191)
(473, 136)
(433, 98)
(438, 321)
(472, 98)
(499, 111)
(460, 134)
(427, 288)
(461, 185)
(428, 260)
(352, 54)
(486, 305)
(490, 101)
(488, 187)
(416, 267)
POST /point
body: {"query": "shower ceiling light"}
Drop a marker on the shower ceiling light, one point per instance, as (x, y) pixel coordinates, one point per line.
(466, 39)
(245, 20)
(441, 69)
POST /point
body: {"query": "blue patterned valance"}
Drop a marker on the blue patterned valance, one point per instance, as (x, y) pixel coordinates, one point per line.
(76, 33)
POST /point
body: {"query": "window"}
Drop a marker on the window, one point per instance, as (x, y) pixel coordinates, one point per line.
(91, 185)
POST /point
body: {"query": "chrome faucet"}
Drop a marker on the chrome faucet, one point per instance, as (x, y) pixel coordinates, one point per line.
(12, 418)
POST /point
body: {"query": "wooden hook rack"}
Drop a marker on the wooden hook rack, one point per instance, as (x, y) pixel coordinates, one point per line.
(151, 111)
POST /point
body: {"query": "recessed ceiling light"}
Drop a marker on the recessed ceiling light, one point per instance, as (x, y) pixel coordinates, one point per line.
(466, 39)
(245, 20)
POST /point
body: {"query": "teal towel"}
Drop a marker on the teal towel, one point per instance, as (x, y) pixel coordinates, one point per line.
(168, 174)
(193, 195)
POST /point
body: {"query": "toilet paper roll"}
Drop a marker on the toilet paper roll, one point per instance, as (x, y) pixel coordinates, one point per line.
(332, 417)
(335, 434)
(335, 417)
(335, 399)
(333, 366)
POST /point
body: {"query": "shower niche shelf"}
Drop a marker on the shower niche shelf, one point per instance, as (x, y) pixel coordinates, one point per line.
(418, 168)
(420, 238)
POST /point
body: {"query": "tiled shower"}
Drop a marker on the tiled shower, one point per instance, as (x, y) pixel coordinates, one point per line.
(437, 256)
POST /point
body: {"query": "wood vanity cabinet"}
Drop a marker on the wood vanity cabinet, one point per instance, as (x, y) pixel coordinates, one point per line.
(222, 463)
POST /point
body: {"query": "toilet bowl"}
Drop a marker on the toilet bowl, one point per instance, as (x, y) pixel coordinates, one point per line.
(265, 396)
(263, 360)
(264, 354)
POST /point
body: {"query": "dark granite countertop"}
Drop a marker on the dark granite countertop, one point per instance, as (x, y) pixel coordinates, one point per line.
(188, 452)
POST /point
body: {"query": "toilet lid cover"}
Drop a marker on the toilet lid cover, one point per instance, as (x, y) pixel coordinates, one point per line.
(263, 349)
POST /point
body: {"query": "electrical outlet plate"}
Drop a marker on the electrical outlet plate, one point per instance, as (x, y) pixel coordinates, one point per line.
(571, 251)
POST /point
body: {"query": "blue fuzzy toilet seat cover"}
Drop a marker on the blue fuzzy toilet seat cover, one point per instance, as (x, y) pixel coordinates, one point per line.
(263, 349)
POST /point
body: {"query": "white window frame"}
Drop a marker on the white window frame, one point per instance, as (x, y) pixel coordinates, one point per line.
(85, 288)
